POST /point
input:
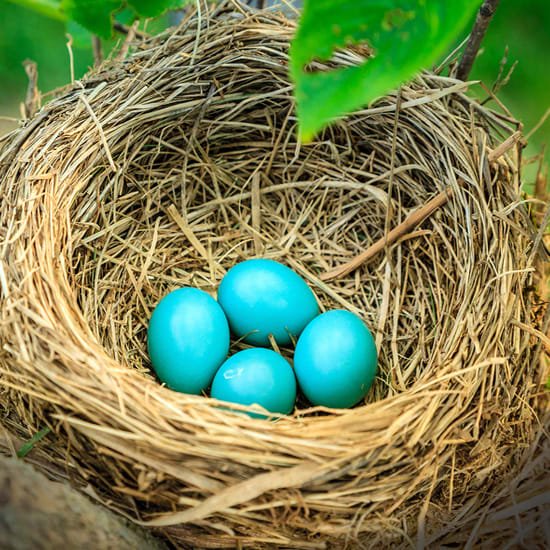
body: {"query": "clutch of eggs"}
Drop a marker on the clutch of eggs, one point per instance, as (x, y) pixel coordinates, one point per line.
(188, 342)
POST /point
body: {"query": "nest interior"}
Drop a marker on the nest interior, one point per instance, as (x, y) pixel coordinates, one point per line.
(164, 168)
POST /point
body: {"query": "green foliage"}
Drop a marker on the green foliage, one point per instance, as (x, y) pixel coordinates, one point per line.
(39, 34)
(152, 8)
(96, 16)
(82, 37)
(93, 16)
(26, 448)
(405, 36)
(27, 34)
(49, 8)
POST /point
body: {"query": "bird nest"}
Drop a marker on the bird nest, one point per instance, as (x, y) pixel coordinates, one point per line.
(168, 165)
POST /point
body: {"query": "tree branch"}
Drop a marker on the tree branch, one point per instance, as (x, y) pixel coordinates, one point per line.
(483, 19)
(41, 514)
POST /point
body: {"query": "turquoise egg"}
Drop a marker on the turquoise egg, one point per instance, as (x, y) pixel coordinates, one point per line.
(263, 297)
(188, 339)
(335, 359)
(259, 376)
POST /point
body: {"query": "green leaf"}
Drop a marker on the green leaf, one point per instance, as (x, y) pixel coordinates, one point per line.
(126, 16)
(82, 38)
(94, 15)
(406, 35)
(26, 448)
(152, 8)
(97, 15)
(49, 8)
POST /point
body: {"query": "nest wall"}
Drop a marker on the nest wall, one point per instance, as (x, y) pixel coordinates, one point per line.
(163, 169)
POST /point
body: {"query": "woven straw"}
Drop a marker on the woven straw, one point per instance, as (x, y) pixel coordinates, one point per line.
(174, 161)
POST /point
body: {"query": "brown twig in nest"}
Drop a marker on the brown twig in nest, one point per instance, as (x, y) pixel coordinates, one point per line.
(413, 220)
(153, 173)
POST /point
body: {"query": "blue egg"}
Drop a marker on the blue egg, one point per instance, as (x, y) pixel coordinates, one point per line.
(258, 376)
(335, 359)
(263, 297)
(188, 339)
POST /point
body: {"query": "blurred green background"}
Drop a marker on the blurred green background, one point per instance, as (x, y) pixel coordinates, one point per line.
(523, 27)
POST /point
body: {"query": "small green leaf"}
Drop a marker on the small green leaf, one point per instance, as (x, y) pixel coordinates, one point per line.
(126, 16)
(149, 8)
(406, 35)
(97, 15)
(81, 37)
(28, 445)
(94, 15)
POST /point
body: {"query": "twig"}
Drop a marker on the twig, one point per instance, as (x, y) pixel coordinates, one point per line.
(413, 219)
(123, 52)
(409, 224)
(32, 98)
(505, 146)
(71, 57)
(538, 124)
(97, 50)
(124, 29)
(541, 180)
(483, 19)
